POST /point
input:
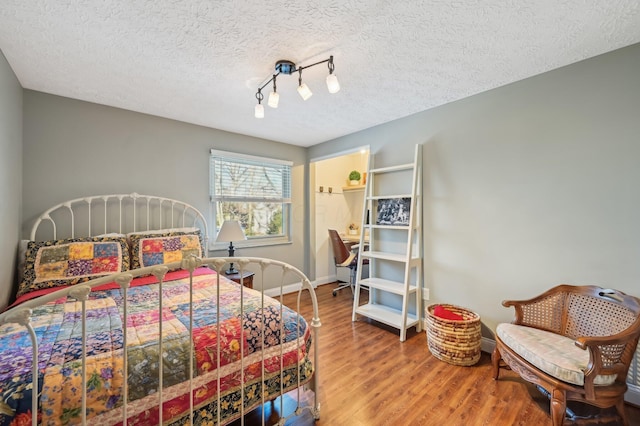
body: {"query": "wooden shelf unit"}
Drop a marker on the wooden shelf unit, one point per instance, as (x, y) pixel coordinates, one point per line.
(407, 255)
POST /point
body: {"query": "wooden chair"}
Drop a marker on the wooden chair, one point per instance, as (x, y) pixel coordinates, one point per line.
(344, 258)
(546, 341)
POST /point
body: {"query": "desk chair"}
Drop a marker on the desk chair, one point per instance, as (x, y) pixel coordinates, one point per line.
(344, 258)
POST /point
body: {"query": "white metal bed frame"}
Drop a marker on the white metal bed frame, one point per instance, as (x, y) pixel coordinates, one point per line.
(159, 213)
(122, 213)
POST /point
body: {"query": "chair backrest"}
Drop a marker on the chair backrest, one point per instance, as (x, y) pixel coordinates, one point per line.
(340, 251)
(595, 311)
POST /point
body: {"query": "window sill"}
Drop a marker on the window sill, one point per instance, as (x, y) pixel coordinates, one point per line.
(217, 247)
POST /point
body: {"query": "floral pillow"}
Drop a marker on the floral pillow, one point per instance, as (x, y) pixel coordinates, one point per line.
(56, 263)
(157, 249)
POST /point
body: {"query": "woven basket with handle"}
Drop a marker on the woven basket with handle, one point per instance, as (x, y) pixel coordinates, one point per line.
(454, 341)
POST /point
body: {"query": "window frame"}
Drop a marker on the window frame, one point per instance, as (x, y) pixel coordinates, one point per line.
(258, 241)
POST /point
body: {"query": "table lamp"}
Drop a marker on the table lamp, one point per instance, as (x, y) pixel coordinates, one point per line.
(231, 231)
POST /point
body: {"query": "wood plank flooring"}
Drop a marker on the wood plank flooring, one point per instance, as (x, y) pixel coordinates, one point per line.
(369, 378)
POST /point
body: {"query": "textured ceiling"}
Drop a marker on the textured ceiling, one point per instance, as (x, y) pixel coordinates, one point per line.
(201, 61)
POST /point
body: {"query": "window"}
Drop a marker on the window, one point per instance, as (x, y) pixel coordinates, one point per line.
(253, 190)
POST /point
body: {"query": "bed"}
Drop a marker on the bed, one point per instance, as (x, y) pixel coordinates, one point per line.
(111, 351)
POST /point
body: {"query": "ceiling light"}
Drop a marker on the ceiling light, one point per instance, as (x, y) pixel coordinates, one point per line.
(274, 98)
(287, 68)
(332, 81)
(259, 109)
(304, 91)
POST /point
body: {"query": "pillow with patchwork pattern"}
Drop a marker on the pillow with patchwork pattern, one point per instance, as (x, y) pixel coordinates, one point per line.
(56, 263)
(149, 249)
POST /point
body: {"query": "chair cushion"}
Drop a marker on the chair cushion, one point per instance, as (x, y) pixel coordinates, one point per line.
(552, 353)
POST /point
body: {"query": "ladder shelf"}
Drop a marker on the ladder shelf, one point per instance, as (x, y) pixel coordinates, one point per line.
(392, 215)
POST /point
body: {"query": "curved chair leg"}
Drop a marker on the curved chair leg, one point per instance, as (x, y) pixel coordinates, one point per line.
(620, 408)
(558, 407)
(495, 361)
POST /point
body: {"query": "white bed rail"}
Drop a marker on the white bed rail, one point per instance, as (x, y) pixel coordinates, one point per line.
(116, 213)
(22, 315)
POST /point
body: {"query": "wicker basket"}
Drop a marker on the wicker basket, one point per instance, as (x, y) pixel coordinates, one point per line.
(454, 341)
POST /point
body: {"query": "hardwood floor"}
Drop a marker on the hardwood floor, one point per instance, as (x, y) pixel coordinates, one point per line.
(368, 377)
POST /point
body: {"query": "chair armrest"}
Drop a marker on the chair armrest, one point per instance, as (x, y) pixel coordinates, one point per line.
(610, 350)
(616, 339)
(608, 355)
(517, 304)
(543, 311)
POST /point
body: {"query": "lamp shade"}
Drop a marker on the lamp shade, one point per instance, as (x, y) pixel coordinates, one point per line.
(274, 98)
(304, 91)
(231, 231)
(332, 83)
(259, 111)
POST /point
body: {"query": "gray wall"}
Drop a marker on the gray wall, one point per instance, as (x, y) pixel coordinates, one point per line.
(10, 176)
(526, 186)
(74, 148)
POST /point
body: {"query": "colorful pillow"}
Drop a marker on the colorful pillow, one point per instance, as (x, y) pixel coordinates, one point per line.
(56, 263)
(444, 313)
(157, 249)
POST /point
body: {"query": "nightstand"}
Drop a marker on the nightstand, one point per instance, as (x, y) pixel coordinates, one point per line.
(247, 278)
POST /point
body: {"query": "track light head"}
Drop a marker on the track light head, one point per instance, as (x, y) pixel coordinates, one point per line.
(333, 86)
(304, 91)
(259, 109)
(332, 81)
(274, 97)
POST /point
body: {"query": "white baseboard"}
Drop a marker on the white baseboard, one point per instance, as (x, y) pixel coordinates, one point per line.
(275, 292)
(487, 345)
(293, 288)
(325, 280)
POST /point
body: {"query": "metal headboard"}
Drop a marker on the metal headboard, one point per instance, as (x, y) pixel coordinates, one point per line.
(117, 213)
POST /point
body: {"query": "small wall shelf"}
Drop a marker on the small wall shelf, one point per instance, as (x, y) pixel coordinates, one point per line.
(353, 188)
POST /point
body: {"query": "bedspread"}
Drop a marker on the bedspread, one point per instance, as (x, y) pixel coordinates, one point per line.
(246, 346)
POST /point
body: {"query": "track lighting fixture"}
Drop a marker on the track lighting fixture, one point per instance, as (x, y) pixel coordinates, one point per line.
(287, 67)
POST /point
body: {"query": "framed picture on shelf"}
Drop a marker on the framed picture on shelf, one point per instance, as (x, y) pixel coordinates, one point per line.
(393, 211)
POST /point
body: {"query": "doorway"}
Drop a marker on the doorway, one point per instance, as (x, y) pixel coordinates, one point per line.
(336, 203)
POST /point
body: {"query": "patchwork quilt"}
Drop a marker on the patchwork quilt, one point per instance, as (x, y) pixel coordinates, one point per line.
(243, 331)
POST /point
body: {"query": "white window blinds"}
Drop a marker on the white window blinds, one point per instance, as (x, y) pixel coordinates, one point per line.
(238, 177)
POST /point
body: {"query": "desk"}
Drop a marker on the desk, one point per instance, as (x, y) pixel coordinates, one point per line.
(353, 240)
(347, 238)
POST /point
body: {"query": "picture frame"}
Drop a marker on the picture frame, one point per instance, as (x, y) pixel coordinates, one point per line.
(393, 211)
